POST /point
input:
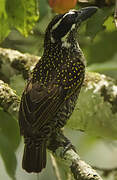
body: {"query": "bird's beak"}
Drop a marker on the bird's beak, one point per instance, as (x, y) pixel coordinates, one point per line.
(85, 13)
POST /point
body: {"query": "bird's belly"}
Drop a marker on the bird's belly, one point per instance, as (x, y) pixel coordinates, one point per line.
(65, 111)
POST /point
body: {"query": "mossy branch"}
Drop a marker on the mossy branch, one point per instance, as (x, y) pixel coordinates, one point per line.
(9, 101)
(105, 86)
(16, 63)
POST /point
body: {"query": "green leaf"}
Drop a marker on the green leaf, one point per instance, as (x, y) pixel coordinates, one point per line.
(9, 127)
(9, 141)
(4, 26)
(102, 49)
(21, 15)
(94, 116)
(95, 23)
(5, 30)
(2, 9)
(8, 155)
(110, 25)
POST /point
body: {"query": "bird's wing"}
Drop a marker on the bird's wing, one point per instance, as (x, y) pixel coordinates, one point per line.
(39, 105)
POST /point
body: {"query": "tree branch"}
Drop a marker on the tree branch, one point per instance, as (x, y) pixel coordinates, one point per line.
(55, 167)
(105, 86)
(106, 171)
(9, 101)
(64, 150)
(16, 63)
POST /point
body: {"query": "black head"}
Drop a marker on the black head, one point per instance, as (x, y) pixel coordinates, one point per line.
(63, 27)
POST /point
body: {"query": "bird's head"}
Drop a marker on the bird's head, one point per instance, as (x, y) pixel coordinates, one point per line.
(63, 27)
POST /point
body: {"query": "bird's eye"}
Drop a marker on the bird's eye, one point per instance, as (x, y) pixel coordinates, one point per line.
(75, 15)
(79, 12)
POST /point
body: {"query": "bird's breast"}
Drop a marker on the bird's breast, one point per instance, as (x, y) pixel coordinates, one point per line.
(71, 74)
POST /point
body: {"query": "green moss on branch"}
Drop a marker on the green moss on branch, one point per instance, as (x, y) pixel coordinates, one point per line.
(9, 101)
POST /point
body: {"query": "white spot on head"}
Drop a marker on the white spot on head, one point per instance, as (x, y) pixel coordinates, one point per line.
(70, 12)
(66, 44)
(64, 39)
(52, 40)
(73, 26)
(56, 25)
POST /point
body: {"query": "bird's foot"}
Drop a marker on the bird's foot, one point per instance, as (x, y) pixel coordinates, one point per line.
(68, 145)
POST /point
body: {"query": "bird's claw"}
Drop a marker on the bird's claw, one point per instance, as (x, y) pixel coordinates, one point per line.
(68, 147)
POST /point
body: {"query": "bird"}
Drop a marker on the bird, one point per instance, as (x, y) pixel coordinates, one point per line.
(50, 95)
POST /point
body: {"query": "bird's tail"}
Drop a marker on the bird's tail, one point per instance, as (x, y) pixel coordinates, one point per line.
(34, 158)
